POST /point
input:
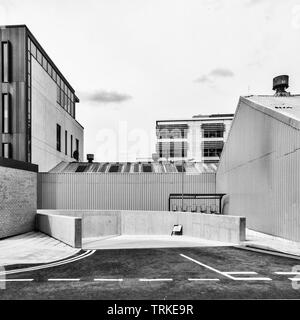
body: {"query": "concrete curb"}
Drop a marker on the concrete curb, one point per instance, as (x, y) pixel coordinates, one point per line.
(266, 250)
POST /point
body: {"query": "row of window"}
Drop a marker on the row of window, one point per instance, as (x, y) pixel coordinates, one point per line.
(182, 134)
(212, 152)
(183, 153)
(65, 97)
(213, 134)
(73, 153)
(172, 134)
(29, 105)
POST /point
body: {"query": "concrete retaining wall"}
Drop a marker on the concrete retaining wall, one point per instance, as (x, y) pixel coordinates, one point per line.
(103, 223)
(63, 228)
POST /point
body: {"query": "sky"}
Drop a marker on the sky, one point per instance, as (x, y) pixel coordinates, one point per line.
(133, 62)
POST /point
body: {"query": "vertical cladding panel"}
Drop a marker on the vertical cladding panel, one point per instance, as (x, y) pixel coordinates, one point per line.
(139, 191)
(260, 172)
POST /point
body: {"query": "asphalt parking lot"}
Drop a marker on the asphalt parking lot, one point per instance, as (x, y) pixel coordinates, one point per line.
(173, 273)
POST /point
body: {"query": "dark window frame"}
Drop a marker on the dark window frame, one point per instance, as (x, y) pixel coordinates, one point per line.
(213, 134)
(66, 142)
(71, 138)
(77, 145)
(58, 137)
(212, 152)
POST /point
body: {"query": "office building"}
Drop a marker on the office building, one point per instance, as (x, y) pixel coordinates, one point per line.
(38, 105)
(201, 138)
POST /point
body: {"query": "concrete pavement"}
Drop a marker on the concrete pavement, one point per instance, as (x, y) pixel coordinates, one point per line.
(149, 241)
(33, 248)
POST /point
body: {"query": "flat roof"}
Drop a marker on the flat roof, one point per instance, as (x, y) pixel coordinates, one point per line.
(202, 118)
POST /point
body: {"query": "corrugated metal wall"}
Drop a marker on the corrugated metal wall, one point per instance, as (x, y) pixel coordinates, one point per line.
(140, 191)
(260, 172)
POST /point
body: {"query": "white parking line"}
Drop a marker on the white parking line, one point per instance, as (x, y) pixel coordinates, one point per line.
(109, 280)
(227, 274)
(294, 279)
(287, 273)
(241, 272)
(63, 279)
(208, 267)
(16, 280)
(153, 280)
(254, 279)
(191, 279)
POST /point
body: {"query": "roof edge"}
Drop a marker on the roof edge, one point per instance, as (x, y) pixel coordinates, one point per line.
(293, 122)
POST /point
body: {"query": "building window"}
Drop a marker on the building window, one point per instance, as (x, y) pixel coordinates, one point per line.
(66, 142)
(58, 137)
(180, 168)
(212, 152)
(160, 150)
(77, 146)
(172, 147)
(6, 113)
(213, 134)
(6, 150)
(5, 65)
(71, 146)
(39, 56)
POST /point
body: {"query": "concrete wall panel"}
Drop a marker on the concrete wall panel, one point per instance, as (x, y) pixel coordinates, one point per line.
(103, 223)
(260, 172)
(63, 228)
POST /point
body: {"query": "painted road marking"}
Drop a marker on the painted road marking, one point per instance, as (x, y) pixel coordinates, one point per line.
(108, 280)
(63, 279)
(208, 267)
(226, 274)
(287, 273)
(294, 279)
(16, 280)
(153, 280)
(253, 279)
(191, 279)
(50, 265)
(241, 272)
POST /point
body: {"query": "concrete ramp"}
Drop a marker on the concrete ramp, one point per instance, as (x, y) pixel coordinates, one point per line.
(148, 242)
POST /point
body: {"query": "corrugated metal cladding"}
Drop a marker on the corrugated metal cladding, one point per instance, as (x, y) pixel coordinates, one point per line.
(260, 172)
(114, 191)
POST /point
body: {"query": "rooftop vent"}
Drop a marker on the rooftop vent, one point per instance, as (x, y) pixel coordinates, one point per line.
(280, 84)
(90, 158)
